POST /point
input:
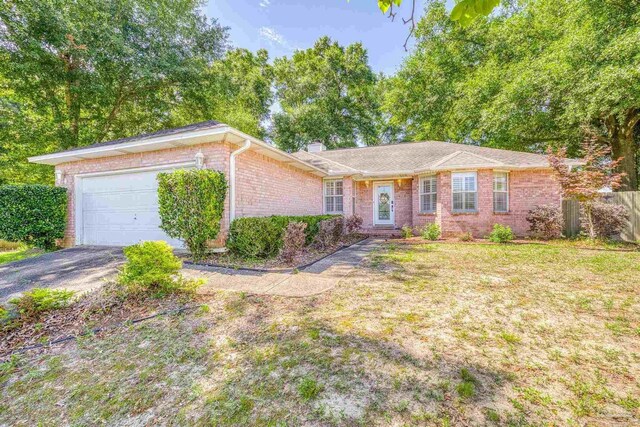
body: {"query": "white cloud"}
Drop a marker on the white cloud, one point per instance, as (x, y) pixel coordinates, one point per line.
(272, 36)
(265, 3)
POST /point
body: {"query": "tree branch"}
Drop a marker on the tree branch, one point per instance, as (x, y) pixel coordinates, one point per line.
(411, 20)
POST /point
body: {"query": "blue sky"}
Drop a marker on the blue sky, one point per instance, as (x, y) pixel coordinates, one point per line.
(282, 26)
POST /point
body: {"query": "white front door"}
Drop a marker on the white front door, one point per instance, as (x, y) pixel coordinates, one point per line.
(383, 209)
(120, 209)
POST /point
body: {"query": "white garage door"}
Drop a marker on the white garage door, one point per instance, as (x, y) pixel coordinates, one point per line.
(121, 210)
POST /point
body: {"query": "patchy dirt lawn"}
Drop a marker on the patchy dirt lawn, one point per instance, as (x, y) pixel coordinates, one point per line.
(430, 334)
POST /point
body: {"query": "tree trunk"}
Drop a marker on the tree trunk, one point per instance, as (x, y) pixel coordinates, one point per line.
(623, 145)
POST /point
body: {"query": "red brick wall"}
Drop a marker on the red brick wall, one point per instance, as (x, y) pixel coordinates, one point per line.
(268, 187)
(527, 189)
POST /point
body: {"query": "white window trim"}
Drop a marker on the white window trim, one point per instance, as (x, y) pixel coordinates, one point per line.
(506, 174)
(420, 193)
(464, 174)
(325, 195)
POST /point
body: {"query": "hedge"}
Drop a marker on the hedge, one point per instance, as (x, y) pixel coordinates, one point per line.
(191, 203)
(262, 237)
(33, 214)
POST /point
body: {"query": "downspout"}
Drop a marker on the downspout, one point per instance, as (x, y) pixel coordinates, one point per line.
(232, 179)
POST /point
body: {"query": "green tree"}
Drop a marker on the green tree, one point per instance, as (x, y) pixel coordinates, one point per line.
(74, 73)
(235, 90)
(326, 93)
(547, 73)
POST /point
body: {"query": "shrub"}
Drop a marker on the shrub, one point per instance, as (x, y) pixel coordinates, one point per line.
(546, 222)
(152, 267)
(406, 231)
(330, 232)
(353, 223)
(4, 314)
(191, 203)
(294, 239)
(431, 231)
(40, 300)
(33, 214)
(608, 219)
(465, 237)
(501, 234)
(262, 237)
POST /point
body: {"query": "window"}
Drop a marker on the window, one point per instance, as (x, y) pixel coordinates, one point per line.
(428, 193)
(501, 192)
(465, 191)
(333, 196)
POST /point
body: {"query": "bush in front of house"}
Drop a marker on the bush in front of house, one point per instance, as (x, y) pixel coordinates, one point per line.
(33, 214)
(431, 231)
(329, 233)
(41, 300)
(406, 231)
(152, 267)
(353, 223)
(546, 222)
(608, 219)
(293, 240)
(191, 203)
(501, 234)
(262, 237)
(465, 237)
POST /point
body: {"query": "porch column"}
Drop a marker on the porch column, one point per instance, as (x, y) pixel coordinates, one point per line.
(348, 195)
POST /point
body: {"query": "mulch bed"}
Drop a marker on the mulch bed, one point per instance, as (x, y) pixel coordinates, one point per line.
(308, 256)
(99, 309)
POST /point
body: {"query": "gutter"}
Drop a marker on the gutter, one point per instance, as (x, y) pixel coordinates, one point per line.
(232, 179)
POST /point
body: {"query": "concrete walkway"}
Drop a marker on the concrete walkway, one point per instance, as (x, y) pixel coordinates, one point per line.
(318, 278)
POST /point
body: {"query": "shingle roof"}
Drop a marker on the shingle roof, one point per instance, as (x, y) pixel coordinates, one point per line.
(421, 156)
(209, 124)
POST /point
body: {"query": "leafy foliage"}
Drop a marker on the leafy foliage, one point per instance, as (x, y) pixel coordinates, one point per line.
(40, 300)
(546, 222)
(293, 240)
(353, 223)
(191, 203)
(608, 220)
(406, 231)
(152, 267)
(262, 237)
(33, 214)
(501, 234)
(338, 111)
(431, 231)
(73, 73)
(546, 72)
(329, 232)
(585, 182)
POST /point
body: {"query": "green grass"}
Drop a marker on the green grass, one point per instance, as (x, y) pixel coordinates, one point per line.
(17, 255)
(436, 334)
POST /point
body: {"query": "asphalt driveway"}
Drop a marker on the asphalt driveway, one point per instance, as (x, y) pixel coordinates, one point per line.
(78, 269)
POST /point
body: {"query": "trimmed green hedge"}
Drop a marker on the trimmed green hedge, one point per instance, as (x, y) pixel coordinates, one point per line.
(33, 214)
(262, 237)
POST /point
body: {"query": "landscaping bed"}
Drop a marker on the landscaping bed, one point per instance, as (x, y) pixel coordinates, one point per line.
(308, 255)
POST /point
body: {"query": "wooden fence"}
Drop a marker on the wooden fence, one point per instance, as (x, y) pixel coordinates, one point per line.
(629, 199)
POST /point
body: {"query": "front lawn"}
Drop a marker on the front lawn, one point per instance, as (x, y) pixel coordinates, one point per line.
(425, 334)
(18, 254)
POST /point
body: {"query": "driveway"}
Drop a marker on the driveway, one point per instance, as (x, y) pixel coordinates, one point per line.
(78, 269)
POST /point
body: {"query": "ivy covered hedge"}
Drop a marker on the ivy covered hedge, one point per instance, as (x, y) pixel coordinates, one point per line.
(191, 203)
(262, 237)
(33, 214)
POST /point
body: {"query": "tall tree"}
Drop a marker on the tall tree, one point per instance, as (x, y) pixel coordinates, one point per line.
(326, 93)
(74, 73)
(235, 90)
(545, 72)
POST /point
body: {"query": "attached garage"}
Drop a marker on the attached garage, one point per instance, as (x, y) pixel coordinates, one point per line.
(119, 209)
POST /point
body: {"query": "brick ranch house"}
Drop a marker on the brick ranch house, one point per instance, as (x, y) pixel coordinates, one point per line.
(113, 201)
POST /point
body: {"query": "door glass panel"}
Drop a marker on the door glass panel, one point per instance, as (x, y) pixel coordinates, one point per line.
(384, 204)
